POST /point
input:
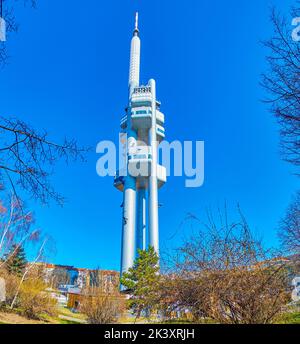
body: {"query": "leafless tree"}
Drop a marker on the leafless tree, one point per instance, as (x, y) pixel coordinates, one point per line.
(7, 12)
(224, 273)
(282, 82)
(27, 270)
(7, 9)
(17, 230)
(289, 231)
(15, 227)
(27, 158)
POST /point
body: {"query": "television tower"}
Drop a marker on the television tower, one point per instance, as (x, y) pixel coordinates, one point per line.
(144, 125)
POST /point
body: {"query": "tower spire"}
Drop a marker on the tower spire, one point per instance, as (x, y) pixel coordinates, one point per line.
(135, 53)
(136, 20)
(136, 28)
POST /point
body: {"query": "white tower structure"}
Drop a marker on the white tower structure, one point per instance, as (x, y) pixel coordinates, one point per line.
(144, 125)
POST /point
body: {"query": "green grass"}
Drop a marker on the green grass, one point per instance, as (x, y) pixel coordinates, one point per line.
(65, 311)
(187, 321)
(176, 321)
(289, 318)
(68, 322)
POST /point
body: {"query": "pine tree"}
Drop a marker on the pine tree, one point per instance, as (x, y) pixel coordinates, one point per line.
(142, 282)
(16, 260)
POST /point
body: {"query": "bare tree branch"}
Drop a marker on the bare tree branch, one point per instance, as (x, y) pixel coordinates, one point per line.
(12, 26)
(282, 82)
(289, 231)
(226, 274)
(29, 156)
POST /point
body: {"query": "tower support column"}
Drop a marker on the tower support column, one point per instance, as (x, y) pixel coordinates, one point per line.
(141, 220)
(128, 225)
(153, 192)
(129, 209)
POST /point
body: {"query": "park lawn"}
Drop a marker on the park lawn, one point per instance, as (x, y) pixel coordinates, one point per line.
(187, 321)
(64, 316)
(66, 312)
(13, 318)
(289, 318)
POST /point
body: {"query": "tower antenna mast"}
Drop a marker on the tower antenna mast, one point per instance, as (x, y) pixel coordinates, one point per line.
(136, 20)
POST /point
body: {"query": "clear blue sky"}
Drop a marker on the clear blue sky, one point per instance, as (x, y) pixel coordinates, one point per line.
(68, 73)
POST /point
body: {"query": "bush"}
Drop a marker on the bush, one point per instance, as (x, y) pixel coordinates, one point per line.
(11, 285)
(34, 301)
(225, 274)
(102, 308)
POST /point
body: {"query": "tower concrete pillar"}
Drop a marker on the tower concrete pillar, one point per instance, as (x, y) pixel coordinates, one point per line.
(141, 220)
(153, 192)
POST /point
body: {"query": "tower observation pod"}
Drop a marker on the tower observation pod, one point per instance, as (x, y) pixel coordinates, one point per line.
(144, 125)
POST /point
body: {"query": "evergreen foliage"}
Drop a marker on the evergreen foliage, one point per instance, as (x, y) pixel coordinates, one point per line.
(16, 260)
(142, 282)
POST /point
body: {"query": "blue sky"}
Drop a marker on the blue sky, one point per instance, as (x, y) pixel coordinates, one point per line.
(68, 73)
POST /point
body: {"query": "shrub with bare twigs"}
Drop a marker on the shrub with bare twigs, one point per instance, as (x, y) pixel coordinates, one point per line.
(224, 273)
(102, 308)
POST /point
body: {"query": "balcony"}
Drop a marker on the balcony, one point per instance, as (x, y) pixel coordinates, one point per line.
(142, 119)
(161, 175)
(160, 132)
(140, 161)
(160, 117)
(142, 180)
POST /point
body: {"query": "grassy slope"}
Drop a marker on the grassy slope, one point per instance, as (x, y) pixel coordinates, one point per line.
(76, 318)
(15, 318)
(289, 318)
